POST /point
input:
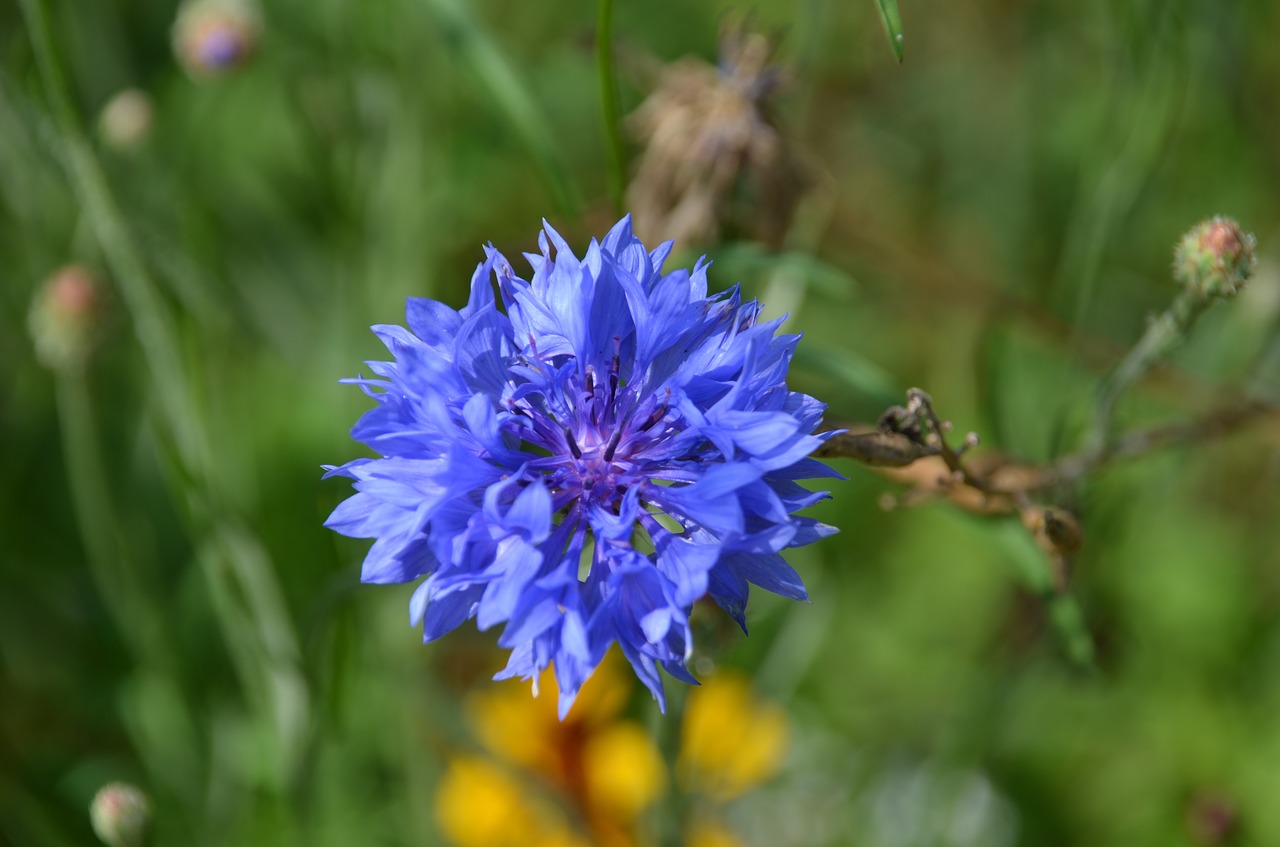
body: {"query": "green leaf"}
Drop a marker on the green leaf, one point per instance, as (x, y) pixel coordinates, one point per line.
(892, 24)
(1061, 608)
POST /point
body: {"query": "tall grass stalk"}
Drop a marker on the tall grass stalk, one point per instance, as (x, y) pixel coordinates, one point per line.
(609, 103)
(238, 568)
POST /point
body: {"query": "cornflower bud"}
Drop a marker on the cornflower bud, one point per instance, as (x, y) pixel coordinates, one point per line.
(65, 317)
(120, 814)
(126, 120)
(214, 37)
(1215, 258)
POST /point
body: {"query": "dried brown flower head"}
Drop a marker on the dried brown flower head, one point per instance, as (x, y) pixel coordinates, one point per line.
(714, 161)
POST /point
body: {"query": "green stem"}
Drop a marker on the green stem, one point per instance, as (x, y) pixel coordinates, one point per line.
(154, 332)
(118, 581)
(476, 50)
(1067, 620)
(257, 610)
(892, 20)
(609, 103)
(1062, 610)
(1161, 337)
(669, 727)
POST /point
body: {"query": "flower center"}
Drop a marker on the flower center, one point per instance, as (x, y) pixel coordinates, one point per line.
(598, 475)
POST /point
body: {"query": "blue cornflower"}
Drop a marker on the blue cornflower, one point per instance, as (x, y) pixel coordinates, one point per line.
(585, 462)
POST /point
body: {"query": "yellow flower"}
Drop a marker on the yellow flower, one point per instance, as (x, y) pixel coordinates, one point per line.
(588, 779)
(526, 730)
(731, 741)
(478, 804)
(706, 833)
(624, 772)
(601, 769)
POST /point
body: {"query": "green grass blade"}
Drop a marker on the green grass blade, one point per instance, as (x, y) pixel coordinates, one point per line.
(892, 20)
(476, 49)
(609, 104)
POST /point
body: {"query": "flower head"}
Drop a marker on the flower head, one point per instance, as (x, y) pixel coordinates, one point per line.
(582, 457)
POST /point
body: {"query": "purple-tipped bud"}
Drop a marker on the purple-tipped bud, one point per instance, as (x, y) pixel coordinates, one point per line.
(65, 317)
(120, 815)
(1215, 258)
(214, 37)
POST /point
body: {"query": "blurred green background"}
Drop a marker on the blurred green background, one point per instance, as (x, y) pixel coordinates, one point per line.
(991, 220)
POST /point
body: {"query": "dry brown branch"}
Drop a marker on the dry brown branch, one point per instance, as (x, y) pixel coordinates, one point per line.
(875, 448)
(924, 462)
(910, 447)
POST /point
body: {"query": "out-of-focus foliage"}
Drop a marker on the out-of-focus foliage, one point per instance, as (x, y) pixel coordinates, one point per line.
(992, 219)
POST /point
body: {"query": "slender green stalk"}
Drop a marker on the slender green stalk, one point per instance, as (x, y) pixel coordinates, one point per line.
(1067, 620)
(476, 50)
(892, 20)
(1062, 610)
(667, 731)
(1162, 335)
(238, 570)
(119, 584)
(151, 325)
(609, 103)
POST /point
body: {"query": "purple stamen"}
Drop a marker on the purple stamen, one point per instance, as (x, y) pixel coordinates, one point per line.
(612, 446)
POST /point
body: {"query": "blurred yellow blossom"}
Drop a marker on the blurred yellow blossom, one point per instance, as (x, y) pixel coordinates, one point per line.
(625, 772)
(706, 833)
(479, 804)
(732, 741)
(594, 766)
(587, 780)
(526, 730)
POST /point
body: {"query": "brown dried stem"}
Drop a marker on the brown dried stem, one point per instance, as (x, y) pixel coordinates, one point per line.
(909, 445)
(915, 435)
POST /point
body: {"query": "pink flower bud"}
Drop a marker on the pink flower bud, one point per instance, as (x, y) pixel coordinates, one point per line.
(1215, 258)
(65, 317)
(120, 814)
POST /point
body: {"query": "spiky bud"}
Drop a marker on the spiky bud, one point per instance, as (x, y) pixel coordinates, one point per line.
(65, 317)
(1215, 258)
(120, 814)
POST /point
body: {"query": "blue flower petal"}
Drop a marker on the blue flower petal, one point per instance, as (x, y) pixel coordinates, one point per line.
(769, 571)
